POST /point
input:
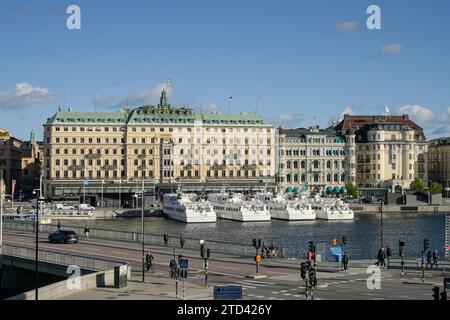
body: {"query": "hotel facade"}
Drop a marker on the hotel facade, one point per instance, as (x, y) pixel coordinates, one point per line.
(111, 153)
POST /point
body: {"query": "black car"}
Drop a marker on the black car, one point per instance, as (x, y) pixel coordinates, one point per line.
(63, 236)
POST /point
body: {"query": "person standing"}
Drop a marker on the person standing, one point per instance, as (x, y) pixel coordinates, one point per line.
(383, 257)
(429, 256)
(388, 255)
(86, 231)
(182, 240)
(435, 259)
(166, 238)
(345, 261)
(59, 225)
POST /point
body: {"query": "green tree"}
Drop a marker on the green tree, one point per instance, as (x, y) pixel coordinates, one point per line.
(436, 187)
(352, 190)
(418, 185)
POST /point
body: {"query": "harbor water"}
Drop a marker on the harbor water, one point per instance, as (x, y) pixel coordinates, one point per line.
(363, 234)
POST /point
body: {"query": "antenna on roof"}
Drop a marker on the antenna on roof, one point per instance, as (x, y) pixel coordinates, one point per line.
(65, 98)
(97, 97)
(257, 101)
(201, 104)
(230, 100)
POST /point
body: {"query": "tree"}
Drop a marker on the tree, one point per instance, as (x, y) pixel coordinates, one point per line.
(436, 187)
(418, 185)
(352, 190)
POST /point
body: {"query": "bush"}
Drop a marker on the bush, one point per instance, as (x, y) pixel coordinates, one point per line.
(436, 187)
(418, 185)
(352, 190)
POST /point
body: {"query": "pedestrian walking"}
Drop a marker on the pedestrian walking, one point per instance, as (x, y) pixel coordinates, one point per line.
(86, 231)
(379, 257)
(383, 257)
(264, 251)
(388, 255)
(166, 239)
(345, 261)
(272, 250)
(173, 269)
(182, 240)
(435, 259)
(429, 256)
(59, 225)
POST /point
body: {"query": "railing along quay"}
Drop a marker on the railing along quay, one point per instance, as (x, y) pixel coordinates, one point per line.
(150, 238)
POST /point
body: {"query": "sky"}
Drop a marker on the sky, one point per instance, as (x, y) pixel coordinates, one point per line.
(298, 63)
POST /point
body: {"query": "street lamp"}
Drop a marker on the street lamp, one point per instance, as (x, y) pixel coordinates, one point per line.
(38, 203)
(1, 225)
(142, 230)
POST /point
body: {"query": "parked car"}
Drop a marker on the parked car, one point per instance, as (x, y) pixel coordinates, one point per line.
(63, 236)
(87, 207)
(63, 206)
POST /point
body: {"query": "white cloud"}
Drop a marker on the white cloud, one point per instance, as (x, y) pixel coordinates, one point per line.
(288, 120)
(417, 113)
(25, 95)
(394, 48)
(346, 27)
(146, 96)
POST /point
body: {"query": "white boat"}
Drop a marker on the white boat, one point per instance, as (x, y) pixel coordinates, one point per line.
(332, 209)
(287, 208)
(188, 208)
(236, 207)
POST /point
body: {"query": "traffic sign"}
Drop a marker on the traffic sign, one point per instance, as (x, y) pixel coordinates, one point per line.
(227, 292)
(183, 263)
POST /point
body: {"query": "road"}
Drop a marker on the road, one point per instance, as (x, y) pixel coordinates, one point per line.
(282, 282)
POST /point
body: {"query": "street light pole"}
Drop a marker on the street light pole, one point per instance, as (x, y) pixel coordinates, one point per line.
(381, 226)
(102, 192)
(38, 198)
(1, 226)
(143, 240)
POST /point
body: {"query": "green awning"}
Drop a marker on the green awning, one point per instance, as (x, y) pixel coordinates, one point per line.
(336, 189)
(305, 189)
(288, 189)
(343, 190)
(296, 189)
(329, 189)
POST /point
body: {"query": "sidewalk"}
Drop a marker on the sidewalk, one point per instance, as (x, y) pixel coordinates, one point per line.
(156, 287)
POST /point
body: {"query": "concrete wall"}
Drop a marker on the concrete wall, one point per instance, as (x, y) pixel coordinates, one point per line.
(61, 289)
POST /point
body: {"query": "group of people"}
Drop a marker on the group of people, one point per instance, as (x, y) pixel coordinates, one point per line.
(432, 259)
(166, 240)
(268, 252)
(383, 254)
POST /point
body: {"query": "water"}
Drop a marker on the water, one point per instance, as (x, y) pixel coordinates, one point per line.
(363, 233)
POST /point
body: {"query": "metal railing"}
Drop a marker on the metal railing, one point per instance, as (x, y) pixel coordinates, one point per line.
(62, 258)
(150, 238)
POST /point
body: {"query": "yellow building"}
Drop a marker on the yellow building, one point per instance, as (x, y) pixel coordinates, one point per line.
(163, 145)
(439, 162)
(391, 151)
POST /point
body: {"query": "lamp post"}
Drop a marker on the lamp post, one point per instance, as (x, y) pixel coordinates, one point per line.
(38, 200)
(142, 230)
(1, 225)
(381, 222)
(103, 183)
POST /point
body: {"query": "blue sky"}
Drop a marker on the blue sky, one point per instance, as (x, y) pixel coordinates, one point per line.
(309, 61)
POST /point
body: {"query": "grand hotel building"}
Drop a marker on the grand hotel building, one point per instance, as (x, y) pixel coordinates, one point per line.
(111, 153)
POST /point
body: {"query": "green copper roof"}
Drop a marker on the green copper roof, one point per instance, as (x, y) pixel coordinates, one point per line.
(66, 117)
(161, 115)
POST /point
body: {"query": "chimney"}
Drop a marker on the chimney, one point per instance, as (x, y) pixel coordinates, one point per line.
(405, 117)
